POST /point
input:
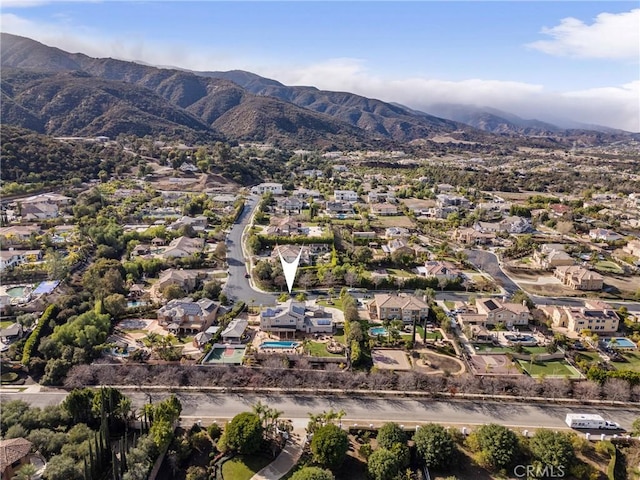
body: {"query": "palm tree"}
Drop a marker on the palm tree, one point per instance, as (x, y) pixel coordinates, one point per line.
(26, 472)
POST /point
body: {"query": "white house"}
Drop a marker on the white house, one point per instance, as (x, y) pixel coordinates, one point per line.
(345, 196)
(275, 188)
(290, 317)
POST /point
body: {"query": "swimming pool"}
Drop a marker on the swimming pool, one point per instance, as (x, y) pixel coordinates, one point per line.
(136, 303)
(620, 342)
(279, 344)
(521, 338)
(375, 331)
(17, 292)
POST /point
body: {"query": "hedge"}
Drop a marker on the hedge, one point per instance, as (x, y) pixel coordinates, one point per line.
(32, 342)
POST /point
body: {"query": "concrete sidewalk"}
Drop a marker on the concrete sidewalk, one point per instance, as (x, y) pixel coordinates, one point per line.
(287, 458)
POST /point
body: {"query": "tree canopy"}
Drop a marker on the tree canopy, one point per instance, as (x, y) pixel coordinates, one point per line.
(313, 473)
(435, 445)
(329, 446)
(244, 433)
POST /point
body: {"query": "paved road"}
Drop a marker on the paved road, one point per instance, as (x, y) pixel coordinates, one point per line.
(365, 410)
(238, 287)
(487, 262)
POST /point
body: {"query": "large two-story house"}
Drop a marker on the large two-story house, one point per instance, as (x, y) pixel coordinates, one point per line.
(398, 306)
(290, 317)
(186, 316)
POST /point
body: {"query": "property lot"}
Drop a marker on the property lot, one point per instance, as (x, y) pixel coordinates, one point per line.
(387, 359)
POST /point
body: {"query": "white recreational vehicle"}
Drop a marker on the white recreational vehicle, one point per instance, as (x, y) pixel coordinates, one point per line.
(589, 421)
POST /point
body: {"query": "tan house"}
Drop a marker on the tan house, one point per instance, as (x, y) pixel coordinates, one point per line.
(470, 236)
(186, 316)
(440, 270)
(579, 278)
(596, 316)
(185, 279)
(398, 306)
(286, 226)
(290, 253)
(14, 452)
(18, 234)
(552, 255)
(496, 311)
(384, 209)
(183, 247)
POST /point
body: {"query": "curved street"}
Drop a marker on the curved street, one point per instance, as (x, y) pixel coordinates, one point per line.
(238, 286)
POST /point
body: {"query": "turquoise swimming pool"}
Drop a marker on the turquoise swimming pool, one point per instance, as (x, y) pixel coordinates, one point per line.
(376, 331)
(279, 344)
(17, 292)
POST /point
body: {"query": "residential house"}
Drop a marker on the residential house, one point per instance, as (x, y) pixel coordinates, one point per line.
(284, 227)
(13, 332)
(30, 212)
(604, 235)
(141, 250)
(188, 167)
(290, 205)
(345, 196)
(18, 234)
(470, 236)
(383, 209)
(441, 270)
(381, 197)
(290, 317)
(304, 193)
(507, 313)
(290, 253)
(235, 330)
(313, 173)
(579, 278)
(186, 316)
(275, 188)
(158, 242)
(340, 209)
(596, 316)
(183, 247)
(399, 245)
(396, 232)
(12, 258)
(559, 209)
(14, 452)
(552, 255)
(446, 200)
(512, 224)
(185, 279)
(199, 223)
(400, 306)
(52, 198)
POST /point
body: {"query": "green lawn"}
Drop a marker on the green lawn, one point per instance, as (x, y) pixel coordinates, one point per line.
(551, 368)
(632, 363)
(5, 323)
(336, 302)
(339, 336)
(608, 266)
(317, 349)
(243, 467)
(489, 348)
(400, 273)
(449, 304)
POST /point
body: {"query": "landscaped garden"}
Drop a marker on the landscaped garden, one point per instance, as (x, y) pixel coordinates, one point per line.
(632, 361)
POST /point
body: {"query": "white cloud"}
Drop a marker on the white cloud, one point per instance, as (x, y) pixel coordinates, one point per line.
(610, 36)
(614, 106)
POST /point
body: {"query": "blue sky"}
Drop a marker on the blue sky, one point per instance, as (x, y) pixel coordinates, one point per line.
(543, 59)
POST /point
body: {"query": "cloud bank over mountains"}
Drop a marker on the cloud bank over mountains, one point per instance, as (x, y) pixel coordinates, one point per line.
(611, 37)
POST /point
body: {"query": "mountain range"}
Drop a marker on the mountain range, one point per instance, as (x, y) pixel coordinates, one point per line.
(59, 93)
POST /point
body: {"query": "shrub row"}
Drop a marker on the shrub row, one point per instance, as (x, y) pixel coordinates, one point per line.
(32, 342)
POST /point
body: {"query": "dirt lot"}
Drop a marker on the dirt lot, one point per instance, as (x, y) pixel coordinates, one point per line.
(387, 359)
